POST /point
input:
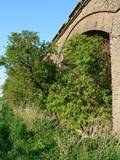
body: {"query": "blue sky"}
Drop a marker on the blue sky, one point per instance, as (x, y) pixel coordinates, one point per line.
(43, 16)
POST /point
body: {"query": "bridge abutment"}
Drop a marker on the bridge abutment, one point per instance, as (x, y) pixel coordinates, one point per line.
(104, 16)
(115, 69)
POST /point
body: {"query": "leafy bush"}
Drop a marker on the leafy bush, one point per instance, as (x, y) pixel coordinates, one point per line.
(82, 95)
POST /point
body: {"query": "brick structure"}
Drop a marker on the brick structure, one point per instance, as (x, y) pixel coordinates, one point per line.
(98, 15)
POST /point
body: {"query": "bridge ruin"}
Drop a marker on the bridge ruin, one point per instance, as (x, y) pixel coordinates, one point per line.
(98, 16)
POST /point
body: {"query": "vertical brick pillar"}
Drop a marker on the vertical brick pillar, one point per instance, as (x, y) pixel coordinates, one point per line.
(115, 64)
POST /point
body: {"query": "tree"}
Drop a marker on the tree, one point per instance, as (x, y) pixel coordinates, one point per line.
(29, 72)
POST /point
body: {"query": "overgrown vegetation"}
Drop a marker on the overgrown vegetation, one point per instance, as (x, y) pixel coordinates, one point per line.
(82, 95)
(48, 141)
(72, 96)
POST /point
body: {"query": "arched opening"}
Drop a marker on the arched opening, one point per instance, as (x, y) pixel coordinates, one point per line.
(91, 60)
(106, 54)
(95, 66)
(98, 33)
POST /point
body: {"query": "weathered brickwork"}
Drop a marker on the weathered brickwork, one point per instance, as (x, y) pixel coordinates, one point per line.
(101, 5)
(115, 61)
(99, 15)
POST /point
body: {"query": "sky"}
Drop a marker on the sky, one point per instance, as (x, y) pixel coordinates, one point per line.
(42, 16)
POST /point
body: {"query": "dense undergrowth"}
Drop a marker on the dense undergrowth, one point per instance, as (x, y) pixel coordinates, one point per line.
(46, 140)
(72, 100)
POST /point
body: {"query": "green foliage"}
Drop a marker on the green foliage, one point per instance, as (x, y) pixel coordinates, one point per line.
(28, 70)
(78, 92)
(19, 142)
(47, 140)
(82, 94)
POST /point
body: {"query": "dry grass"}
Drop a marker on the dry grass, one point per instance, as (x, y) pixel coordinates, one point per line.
(28, 114)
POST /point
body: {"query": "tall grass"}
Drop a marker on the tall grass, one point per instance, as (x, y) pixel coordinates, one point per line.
(48, 140)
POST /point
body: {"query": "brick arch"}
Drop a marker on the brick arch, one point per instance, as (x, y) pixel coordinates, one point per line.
(95, 21)
(98, 21)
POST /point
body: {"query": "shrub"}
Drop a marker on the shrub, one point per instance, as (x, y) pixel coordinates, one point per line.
(82, 96)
